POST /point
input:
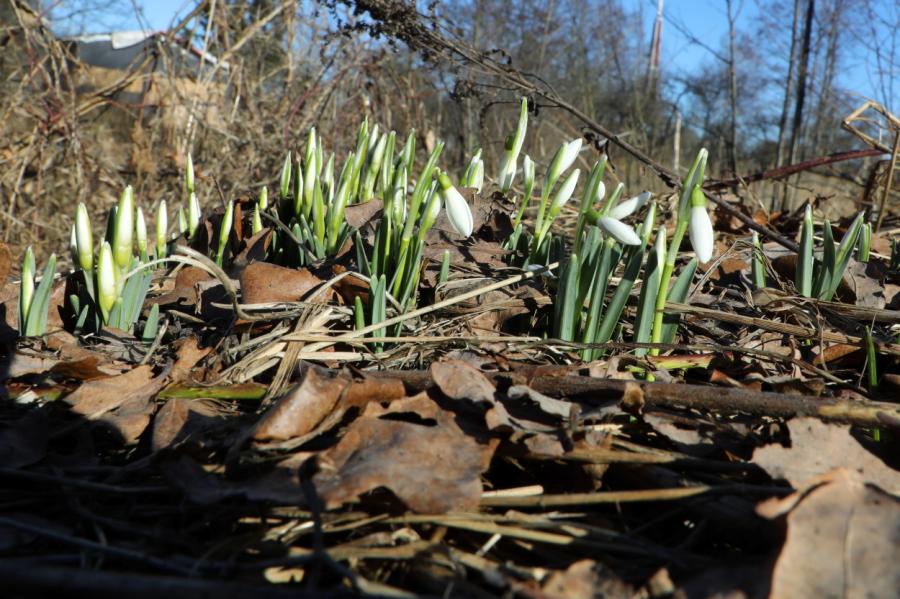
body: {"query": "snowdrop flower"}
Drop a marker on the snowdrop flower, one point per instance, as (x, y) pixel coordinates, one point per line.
(660, 249)
(600, 193)
(528, 174)
(432, 210)
(564, 158)
(263, 201)
(700, 228)
(123, 231)
(611, 222)
(140, 232)
(564, 193)
(84, 239)
(284, 185)
(182, 221)
(193, 220)
(629, 206)
(513, 147)
(457, 208)
(106, 280)
(189, 174)
(162, 227)
(619, 231)
(26, 288)
(477, 178)
(474, 176)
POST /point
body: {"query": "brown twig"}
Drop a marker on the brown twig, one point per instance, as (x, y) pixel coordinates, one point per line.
(680, 395)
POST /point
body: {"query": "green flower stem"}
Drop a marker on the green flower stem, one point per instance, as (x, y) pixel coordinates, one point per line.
(693, 179)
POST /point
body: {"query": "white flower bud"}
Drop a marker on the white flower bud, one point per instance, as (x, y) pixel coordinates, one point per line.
(458, 210)
(619, 231)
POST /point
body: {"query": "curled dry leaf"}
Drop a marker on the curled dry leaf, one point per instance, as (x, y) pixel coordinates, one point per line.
(424, 459)
(320, 401)
(255, 249)
(460, 381)
(262, 283)
(303, 407)
(818, 447)
(124, 402)
(843, 540)
(185, 287)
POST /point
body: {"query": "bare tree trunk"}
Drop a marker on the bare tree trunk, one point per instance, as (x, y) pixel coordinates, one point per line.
(732, 77)
(801, 91)
(471, 135)
(824, 114)
(676, 159)
(786, 106)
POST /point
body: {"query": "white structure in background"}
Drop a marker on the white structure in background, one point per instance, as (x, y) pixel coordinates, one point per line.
(179, 84)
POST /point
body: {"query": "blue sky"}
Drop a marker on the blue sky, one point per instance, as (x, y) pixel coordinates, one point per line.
(706, 20)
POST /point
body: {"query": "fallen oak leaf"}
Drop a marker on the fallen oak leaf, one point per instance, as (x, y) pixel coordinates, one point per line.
(843, 539)
(298, 411)
(123, 402)
(430, 464)
(818, 447)
(263, 283)
(319, 402)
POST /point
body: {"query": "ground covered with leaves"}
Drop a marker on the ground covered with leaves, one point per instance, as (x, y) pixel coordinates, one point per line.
(269, 454)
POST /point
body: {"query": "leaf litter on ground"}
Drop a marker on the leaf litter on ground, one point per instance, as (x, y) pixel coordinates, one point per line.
(487, 463)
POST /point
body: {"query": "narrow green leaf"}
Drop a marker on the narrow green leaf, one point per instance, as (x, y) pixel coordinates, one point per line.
(848, 242)
(643, 327)
(677, 295)
(151, 327)
(568, 298)
(445, 267)
(620, 298)
(40, 303)
(758, 265)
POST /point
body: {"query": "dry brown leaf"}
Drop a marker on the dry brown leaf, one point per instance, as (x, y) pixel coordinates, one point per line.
(818, 447)
(262, 283)
(429, 463)
(458, 380)
(255, 249)
(843, 540)
(549, 405)
(586, 579)
(298, 411)
(685, 438)
(185, 289)
(9, 311)
(124, 402)
(836, 353)
(358, 215)
(181, 419)
(499, 306)
(350, 286)
(189, 354)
